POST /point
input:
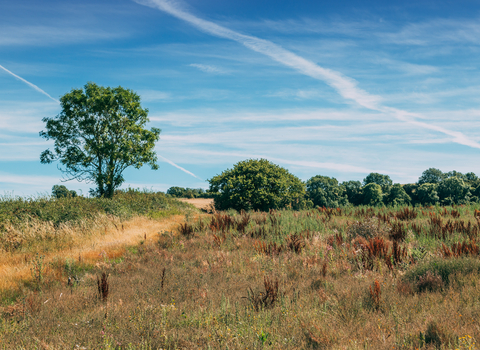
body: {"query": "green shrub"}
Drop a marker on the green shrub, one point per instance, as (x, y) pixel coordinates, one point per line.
(257, 185)
(60, 191)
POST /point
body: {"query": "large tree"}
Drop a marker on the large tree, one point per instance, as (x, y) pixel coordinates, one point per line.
(98, 134)
(257, 184)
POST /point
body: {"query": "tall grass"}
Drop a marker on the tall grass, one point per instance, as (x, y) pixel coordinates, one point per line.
(316, 279)
(40, 222)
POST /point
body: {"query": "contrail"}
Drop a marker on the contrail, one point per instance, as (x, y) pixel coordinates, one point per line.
(179, 167)
(345, 86)
(29, 84)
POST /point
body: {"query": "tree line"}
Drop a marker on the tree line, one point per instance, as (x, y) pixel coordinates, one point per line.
(262, 185)
(433, 187)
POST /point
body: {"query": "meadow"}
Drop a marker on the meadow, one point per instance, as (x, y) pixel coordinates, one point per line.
(346, 278)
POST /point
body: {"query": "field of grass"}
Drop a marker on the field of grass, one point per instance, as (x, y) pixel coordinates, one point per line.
(350, 278)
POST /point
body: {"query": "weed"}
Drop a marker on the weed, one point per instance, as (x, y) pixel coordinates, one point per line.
(163, 278)
(398, 231)
(186, 230)
(218, 240)
(460, 249)
(103, 287)
(271, 249)
(37, 270)
(267, 299)
(406, 214)
(295, 243)
(375, 295)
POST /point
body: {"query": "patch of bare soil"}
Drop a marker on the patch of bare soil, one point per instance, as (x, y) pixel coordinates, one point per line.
(200, 203)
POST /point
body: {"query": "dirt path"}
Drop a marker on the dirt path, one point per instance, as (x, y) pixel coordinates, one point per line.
(15, 267)
(200, 203)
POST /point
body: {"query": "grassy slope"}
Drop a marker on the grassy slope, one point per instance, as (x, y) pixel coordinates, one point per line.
(213, 285)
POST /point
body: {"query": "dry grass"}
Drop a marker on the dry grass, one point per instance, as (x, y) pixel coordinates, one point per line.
(200, 203)
(236, 291)
(106, 241)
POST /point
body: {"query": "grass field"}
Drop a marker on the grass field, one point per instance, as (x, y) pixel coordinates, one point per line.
(350, 278)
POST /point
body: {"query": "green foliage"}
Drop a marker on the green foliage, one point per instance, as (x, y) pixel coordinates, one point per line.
(353, 190)
(124, 204)
(372, 194)
(60, 191)
(181, 192)
(427, 194)
(98, 134)
(383, 180)
(257, 185)
(453, 190)
(324, 191)
(397, 196)
(411, 190)
(432, 176)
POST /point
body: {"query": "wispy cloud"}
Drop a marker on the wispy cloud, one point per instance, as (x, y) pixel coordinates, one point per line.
(345, 86)
(35, 87)
(27, 179)
(437, 32)
(208, 68)
(407, 67)
(45, 35)
(154, 95)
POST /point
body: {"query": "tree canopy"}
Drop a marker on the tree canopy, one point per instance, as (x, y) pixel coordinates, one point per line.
(257, 184)
(98, 134)
(431, 176)
(372, 194)
(375, 178)
(324, 191)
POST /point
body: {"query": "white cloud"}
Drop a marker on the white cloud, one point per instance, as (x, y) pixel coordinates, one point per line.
(208, 68)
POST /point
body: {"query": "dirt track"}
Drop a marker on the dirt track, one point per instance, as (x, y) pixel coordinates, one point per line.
(200, 203)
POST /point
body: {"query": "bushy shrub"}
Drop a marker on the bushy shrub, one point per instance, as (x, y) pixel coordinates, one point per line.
(257, 184)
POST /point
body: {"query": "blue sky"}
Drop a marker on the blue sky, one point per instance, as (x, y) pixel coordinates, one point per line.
(339, 88)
